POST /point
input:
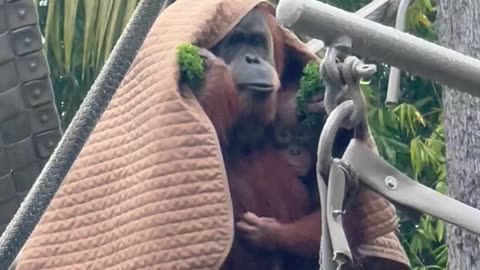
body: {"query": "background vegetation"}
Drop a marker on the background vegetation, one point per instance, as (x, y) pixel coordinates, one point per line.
(80, 34)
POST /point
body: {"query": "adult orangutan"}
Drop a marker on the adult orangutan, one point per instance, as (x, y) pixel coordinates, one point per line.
(248, 78)
(277, 225)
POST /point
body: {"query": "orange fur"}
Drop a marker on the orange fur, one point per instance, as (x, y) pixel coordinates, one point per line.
(219, 99)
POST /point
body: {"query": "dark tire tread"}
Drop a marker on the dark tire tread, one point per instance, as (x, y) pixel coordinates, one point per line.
(29, 121)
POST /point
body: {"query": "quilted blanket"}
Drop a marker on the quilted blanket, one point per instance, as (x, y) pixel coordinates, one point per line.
(149, 188)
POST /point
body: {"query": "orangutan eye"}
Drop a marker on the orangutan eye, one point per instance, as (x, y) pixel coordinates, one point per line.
(257, 40)
(282, 136)
(236, 39)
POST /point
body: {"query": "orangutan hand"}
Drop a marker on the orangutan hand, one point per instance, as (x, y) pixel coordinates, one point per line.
(317, 105)
(261, 232)
(206, 55)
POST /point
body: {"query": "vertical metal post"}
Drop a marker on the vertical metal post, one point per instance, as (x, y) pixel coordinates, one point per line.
(393, 90)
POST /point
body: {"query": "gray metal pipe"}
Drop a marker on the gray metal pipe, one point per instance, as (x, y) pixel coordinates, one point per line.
(376, 10)
(382, 43)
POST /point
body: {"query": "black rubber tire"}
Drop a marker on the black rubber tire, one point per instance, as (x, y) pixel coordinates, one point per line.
(29, 121)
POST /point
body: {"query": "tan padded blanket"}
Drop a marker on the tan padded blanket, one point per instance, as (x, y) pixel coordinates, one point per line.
(149, 188)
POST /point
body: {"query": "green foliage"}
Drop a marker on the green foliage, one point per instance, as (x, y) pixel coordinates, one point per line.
(191, 64)
(420, 15)
(310, 86)
(79, 36)
(349, 5)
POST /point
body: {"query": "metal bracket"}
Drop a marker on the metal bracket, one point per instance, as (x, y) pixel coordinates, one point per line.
(385, 179)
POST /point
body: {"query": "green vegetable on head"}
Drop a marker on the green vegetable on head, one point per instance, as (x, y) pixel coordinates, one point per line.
(191, 64)
(311, 85)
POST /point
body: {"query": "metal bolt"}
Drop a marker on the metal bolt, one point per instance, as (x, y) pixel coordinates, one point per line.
(33, 66)
(391, 182)
(337, 213)
(44, 117)
(50, 144)
(37, 92)
(21, 13)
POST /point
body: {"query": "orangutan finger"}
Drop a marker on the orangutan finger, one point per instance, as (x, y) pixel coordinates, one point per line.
(245, 227)
(317, 107)
(251, 218)
(318, 97)
(206, 54)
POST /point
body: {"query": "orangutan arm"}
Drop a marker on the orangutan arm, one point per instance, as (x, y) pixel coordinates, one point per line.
(217, 95)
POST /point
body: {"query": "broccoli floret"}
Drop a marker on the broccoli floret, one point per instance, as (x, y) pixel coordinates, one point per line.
(191, 64)
(311, 85)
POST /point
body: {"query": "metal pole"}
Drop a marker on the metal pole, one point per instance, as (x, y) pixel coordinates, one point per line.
(382, 43)
(393, 91)
(377, 10)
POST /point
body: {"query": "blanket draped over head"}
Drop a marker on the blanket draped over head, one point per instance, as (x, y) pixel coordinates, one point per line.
(149, 188)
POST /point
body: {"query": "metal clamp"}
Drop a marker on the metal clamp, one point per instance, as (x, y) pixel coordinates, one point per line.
(342, 84)
(330, 71)
(342, 79)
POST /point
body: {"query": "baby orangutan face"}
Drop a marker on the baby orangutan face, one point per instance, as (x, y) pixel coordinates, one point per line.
(296, 145)
(295, 141)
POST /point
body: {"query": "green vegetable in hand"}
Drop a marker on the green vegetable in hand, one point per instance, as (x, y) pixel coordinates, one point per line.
(191, 64)
(311, 85)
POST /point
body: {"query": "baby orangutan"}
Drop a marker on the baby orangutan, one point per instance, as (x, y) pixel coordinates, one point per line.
(297, 142)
